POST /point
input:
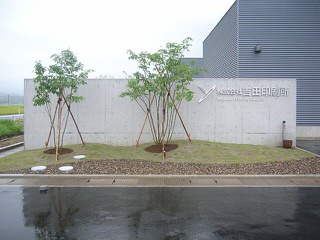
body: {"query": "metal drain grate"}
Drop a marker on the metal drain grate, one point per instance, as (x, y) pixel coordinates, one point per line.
(203, 181)
(151, 182)
(177, 181)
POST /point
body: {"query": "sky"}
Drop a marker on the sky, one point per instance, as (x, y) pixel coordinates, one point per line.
(99, 32)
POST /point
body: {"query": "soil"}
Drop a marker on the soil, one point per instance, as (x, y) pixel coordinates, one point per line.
(9, 141)
(158, 148)
(61, 151)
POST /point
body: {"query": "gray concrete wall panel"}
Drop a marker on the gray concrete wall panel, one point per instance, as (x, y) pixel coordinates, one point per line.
(236, 111)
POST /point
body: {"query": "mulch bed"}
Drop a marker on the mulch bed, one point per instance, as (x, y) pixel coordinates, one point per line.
(139, 167)
(61, 151)
(158, 148)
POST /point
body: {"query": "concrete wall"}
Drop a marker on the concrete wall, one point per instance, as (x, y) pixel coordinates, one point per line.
(248, 111)
(308, 133)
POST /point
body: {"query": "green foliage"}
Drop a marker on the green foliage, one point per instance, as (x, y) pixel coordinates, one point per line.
(162, 79)
(9, 128)
(162, 72)
(62, 78)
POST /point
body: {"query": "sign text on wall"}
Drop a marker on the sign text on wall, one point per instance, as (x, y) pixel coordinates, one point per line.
(247, 94)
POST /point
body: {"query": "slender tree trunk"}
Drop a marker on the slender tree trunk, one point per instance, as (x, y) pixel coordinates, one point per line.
(177, 110)
(145, 120)
(59, 128)
(52, 125)
(163, 121)
(74, 120)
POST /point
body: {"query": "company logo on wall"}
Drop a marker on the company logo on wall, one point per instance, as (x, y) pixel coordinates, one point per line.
(249, 94)
(206, 93)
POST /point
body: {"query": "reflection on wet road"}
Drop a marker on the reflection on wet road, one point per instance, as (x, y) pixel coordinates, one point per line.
(160, 213)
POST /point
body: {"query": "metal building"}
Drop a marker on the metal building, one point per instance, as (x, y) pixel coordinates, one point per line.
(271, 39)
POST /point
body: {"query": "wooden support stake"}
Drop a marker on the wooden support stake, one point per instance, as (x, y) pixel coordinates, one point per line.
(176, 108)
(52, 123)
(163, 120)
(145, 120)
(74, 120)
(144, 123)
(59, 127)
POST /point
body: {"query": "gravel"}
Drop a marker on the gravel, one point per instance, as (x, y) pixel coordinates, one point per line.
(140, 167)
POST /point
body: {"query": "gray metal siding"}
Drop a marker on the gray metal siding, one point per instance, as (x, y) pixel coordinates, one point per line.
(198, 62)
(289, 34)
(220, 47)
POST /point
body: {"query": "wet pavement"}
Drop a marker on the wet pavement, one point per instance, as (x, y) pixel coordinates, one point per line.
(6, 151)
(161, 207)
(11, 151)
(159, 213)
(312, 146)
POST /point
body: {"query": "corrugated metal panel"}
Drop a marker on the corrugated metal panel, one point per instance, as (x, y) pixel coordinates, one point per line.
(198, 62)
(289, 34)
(220, 47)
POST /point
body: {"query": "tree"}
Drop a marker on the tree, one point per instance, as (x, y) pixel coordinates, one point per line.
(159, 87)
(61, 79)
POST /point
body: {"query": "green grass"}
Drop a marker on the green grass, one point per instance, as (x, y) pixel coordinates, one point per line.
(201, 152)
(9, 128)
(13, 109)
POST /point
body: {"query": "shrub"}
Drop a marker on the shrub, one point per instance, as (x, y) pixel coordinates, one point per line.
(9, 128)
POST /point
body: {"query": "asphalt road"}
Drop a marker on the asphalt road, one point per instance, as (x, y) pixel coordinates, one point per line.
(160, 213)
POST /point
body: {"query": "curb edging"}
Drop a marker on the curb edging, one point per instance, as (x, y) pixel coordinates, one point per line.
(6, 148)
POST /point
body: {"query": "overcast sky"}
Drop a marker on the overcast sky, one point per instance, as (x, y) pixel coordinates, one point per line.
(99, 32)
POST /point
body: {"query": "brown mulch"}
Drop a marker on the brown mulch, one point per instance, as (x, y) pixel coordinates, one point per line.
(158, 148)
(61, 151)
(140, 167)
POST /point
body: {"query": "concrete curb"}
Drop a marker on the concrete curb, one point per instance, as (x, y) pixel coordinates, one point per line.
(69, 180)
(108, 176)
(6, 148)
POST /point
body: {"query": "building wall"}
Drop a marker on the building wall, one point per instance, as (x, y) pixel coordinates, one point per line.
(198, 63)
(289, 33)
(220, 47)
(248, 111)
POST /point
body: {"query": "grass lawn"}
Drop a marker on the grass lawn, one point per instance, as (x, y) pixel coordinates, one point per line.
(13, 109)
(201, 152)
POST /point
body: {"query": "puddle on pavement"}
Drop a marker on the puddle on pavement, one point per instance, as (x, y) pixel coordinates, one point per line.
(159, 213)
